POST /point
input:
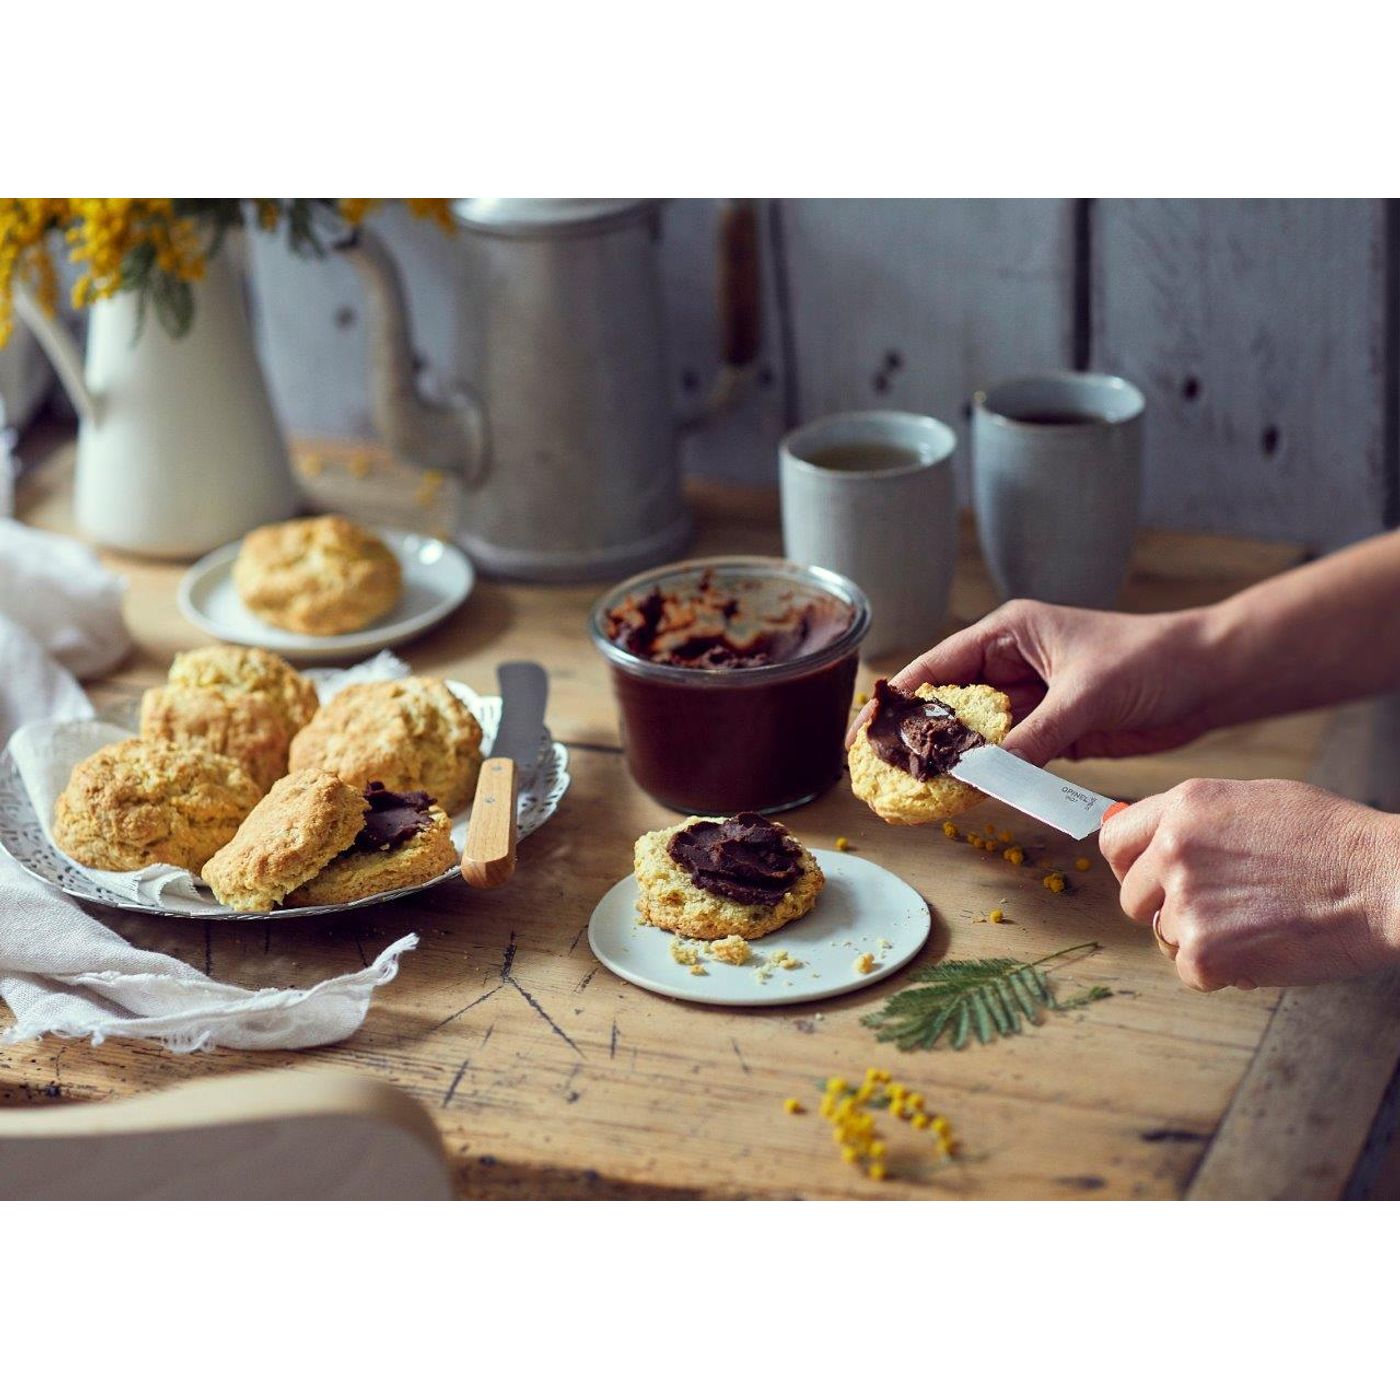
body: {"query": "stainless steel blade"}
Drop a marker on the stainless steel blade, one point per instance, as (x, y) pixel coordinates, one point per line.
(524, 691)
(1064, 805)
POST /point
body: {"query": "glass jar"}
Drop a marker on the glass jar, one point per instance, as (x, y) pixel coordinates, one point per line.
(708, 734)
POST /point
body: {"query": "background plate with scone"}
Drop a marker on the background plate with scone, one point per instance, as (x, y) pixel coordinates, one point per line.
(325, 588)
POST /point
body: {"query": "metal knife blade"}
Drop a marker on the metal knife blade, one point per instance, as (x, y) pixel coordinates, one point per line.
(524, 691)
(1054, 801)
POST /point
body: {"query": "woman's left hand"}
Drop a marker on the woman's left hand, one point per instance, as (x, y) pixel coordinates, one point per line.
(1263, 883)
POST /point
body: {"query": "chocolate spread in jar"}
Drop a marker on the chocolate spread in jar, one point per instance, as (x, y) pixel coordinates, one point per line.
(733, 739)
(746, 858)
(393, 818)
(710, 628)
(922, 737)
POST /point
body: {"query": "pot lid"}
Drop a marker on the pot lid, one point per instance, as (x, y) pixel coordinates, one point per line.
(545, 218)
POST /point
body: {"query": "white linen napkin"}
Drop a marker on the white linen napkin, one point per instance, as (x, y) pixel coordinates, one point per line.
(57, 590)
(62, 972)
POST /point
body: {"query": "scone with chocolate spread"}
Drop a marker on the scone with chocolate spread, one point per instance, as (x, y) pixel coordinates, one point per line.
(406, 840)
(899, 762)
(320, 577)
(315, 840)
(408, 734)
(711, 878)
(307, 820)
(144, 802)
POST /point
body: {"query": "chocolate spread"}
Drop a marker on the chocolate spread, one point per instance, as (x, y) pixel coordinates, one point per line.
(710, 628)
(743, 692)
(392, 819)
(746, 858)
(923, 737)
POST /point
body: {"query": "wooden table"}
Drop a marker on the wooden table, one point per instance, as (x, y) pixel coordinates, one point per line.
(550, 1077)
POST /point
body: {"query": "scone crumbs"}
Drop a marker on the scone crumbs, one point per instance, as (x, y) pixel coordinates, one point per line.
(995, 916)
(950, 831)
(732, 950)
(1054, 882)
(864, 964)
(779, 960)
(1083, 863)
(842, 844)
(862, 698)
(684, 953)
(850, 1111)
(698, 971)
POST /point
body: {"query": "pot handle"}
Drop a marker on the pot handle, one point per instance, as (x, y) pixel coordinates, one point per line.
(740, 300)
(61, 349)
(740, 295)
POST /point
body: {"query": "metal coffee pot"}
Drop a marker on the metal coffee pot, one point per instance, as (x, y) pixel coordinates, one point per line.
(563, 432)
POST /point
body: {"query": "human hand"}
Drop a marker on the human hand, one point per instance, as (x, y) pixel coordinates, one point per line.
(1264, 883)
(1082, 684)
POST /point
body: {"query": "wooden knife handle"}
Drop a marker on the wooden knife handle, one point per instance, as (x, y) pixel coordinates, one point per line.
(488, 859)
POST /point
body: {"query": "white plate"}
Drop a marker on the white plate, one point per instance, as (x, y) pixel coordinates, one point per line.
(437, 577)
(861, 905)
(22, 834)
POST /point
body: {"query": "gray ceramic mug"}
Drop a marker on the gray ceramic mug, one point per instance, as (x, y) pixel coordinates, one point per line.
(871, 496)
(1056, 476)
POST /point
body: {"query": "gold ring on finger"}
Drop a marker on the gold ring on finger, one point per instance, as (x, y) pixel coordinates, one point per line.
(1168, 948)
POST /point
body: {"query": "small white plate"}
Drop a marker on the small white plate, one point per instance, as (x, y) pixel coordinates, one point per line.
(862, 908)
(437, 577)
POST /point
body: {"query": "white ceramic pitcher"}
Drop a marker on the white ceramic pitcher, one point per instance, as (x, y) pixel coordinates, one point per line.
(179, 450)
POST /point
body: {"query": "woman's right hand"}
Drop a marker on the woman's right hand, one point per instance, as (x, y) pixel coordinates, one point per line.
(1084, 684)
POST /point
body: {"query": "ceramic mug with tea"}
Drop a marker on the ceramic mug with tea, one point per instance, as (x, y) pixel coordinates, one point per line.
(1056, 476)
(871, 496)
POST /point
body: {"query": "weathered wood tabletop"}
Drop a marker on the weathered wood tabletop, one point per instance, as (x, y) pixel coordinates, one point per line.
(550, 1077)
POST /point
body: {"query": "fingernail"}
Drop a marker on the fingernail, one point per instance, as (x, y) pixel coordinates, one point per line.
(1245, 985)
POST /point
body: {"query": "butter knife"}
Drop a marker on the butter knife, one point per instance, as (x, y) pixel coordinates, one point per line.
(488, 855)
(1055, 801)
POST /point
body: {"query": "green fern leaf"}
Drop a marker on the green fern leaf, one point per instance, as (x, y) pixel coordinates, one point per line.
(985, 997)
(964, 1021)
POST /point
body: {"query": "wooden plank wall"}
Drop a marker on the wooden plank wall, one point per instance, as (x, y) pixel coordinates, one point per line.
(1264, 334)
(914, 304)
(1258, 330)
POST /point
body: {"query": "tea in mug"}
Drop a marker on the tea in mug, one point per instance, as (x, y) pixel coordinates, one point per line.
(864, 457)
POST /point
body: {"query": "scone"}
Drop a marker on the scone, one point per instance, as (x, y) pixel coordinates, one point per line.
(144, 802)
(707, 878)
(243, 725)
(320, 577)
(406, 839)
(406, 734)
(900, 758)
(250, 670)
(307, 820)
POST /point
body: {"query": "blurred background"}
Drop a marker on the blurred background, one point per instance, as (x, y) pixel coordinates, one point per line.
(1263, 333)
